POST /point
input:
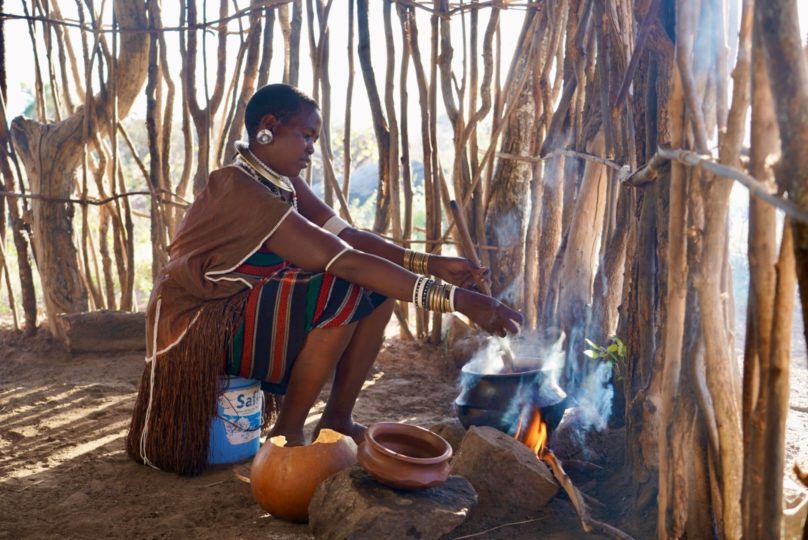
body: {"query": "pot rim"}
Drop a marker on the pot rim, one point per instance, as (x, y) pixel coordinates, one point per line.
(526, 373)
(371, 439)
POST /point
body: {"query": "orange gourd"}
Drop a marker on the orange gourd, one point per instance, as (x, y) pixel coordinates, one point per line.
(284, 478)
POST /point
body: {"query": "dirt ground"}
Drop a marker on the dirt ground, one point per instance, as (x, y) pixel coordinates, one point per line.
(64, 473)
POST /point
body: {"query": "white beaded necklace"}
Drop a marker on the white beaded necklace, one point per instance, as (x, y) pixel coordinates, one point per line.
(260, 170)
(274, 178)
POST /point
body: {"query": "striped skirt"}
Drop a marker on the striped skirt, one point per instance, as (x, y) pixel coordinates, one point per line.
(285, 305)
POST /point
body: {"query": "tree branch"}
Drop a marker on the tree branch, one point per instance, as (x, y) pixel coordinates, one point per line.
(95, 202)
(647, 174)
(141, 30)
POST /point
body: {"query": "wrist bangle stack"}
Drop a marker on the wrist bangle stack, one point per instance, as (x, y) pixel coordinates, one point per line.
(416, 261)
(433, 296)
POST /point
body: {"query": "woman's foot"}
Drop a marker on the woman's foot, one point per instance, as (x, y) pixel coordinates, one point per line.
(350, 428)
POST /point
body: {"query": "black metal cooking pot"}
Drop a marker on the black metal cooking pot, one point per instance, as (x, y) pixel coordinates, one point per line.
(496, 399)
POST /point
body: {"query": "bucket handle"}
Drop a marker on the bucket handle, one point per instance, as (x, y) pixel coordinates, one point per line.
(237, 426)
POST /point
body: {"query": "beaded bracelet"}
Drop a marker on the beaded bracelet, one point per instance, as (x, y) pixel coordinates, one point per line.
(416, 291)
(433, 296)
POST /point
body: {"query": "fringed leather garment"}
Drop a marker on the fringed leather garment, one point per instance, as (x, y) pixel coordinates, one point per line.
(224, 303)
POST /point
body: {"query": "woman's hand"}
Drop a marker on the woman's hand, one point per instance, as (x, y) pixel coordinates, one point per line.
(459, 271)
(488, 313)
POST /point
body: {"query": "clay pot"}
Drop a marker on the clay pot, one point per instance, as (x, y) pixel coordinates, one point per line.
(404, 456)
(284, 478)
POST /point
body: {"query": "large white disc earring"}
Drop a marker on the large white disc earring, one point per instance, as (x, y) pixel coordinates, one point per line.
(264, 136)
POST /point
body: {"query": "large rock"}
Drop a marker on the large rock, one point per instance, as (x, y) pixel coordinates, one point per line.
(104, 331)
(452, 430)
(351, 504)
(508, 477)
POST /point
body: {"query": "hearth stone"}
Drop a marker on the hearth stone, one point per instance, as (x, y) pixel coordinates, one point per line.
(450, 429)
(351, 504)
(508, 477)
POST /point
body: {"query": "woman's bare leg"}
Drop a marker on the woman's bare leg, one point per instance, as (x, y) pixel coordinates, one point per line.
(352, 370)
(314, 365)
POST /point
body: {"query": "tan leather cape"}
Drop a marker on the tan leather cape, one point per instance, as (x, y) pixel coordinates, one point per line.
(228, 221)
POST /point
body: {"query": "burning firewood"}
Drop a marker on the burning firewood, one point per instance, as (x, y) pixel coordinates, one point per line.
(588, 523)
(535, 438)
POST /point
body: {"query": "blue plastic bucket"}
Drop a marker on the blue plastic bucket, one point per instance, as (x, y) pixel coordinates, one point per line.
(236, 429)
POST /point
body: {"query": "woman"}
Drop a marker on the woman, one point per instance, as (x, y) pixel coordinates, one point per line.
(265, 281)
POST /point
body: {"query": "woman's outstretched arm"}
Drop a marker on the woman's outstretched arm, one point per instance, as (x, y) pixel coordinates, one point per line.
(455, 270)
(306, 245)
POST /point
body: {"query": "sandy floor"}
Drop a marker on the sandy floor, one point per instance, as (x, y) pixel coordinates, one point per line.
(63, 471)
(795, 494)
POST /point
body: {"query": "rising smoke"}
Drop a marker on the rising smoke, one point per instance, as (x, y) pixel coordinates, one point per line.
(587, 396)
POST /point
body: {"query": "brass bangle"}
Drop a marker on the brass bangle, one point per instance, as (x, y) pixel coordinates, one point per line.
(407, 261)
(437, 296)
(448, 298)
(434, 297)
(416, 261)
(423, 262)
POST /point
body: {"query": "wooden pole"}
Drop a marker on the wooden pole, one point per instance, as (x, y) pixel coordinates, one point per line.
(467, 248)
(467, 245)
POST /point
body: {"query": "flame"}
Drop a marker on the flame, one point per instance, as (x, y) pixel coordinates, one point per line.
(535, 436)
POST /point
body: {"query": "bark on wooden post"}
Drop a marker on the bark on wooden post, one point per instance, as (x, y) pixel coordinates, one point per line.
(248, 77)
(640, 309)
(390, 110)
(294, 42)
(20, 241)
(762, 253)
(202, 116)
(51, 153)
(379, 122)
(410, 31)
(507, 219)
(346, 138)
(671, 479)
(722, 374)
(159, 251)
(778, 21)
(508, 198)
(577, 272)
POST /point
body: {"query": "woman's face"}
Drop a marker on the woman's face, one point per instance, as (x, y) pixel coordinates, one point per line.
(293, 141)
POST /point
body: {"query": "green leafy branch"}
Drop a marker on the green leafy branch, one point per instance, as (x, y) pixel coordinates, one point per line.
(614, 352)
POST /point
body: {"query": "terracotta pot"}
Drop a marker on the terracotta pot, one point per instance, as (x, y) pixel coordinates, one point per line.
(284, 478)
(404, 456)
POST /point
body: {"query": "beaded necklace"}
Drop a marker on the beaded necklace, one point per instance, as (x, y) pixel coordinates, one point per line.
(261, 172)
